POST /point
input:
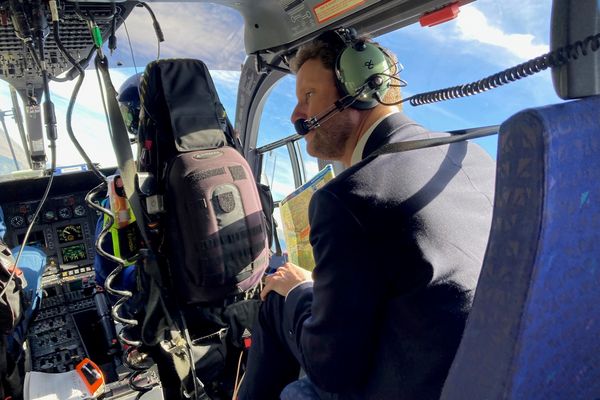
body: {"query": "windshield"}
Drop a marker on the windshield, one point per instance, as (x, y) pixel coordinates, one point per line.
(487, 37)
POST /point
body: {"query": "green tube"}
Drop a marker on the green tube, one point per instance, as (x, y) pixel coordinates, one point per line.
(97, 36)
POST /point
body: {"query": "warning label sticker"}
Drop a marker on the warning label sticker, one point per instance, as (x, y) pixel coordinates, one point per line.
(301, 19)
(332, 8)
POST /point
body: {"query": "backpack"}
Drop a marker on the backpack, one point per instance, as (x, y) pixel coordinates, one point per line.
(201, 198)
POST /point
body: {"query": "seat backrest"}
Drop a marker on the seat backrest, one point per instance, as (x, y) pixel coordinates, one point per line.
(534, 330)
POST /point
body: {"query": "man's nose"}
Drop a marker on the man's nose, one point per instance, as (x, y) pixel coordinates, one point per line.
(298, 113)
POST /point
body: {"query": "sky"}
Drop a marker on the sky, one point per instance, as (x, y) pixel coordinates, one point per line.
(488, 36)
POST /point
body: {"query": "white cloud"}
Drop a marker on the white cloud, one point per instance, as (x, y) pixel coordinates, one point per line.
(89, 123)
(210, 32)
(472, 24)
(88, 98)
(228, 80)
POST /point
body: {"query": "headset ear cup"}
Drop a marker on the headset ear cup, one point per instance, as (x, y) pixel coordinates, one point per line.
(356, 65)
(339, 77)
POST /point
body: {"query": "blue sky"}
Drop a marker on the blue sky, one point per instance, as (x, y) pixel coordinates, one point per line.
(487, 37)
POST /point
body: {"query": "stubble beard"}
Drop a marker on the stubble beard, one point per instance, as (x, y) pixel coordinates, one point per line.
(329, 141)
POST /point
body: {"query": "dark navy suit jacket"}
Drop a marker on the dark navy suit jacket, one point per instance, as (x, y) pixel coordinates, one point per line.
(398, 241)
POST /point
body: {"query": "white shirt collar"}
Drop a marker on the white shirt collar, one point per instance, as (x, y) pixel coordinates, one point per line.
(357, 155)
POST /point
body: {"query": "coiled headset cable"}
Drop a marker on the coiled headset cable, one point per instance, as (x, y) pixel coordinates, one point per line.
(553, 59)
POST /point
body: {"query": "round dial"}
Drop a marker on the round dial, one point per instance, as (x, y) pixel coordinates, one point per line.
(17, 221)
(49, 215)
(65, 213)
(79, 210)
(30, 218)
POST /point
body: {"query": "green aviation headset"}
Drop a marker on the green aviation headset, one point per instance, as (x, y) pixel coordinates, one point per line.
(362, 68)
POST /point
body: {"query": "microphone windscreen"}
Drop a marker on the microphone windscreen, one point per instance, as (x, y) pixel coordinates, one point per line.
(301, 126)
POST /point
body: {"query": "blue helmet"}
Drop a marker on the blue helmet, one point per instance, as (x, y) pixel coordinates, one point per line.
(129, 102)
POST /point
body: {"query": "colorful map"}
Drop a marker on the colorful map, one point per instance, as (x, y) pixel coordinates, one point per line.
(294, 215)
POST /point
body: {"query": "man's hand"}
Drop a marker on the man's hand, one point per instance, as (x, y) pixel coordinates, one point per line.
(284, 279)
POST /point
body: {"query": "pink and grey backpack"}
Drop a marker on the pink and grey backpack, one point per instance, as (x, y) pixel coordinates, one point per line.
(201, 198)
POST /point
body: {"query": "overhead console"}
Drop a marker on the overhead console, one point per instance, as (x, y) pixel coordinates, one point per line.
(30, 19)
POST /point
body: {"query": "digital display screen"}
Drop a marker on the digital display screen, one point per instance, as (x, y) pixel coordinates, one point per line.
(74, 253)
(69, 233)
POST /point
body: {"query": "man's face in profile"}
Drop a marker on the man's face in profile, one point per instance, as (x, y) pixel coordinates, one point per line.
(316, 91)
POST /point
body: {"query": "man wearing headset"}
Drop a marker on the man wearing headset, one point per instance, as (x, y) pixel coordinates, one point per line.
(398, 241)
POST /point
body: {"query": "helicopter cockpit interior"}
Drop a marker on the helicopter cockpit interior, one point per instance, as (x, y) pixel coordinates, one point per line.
(527, 336)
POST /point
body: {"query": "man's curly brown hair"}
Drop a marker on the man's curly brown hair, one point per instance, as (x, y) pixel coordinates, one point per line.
(328, 51)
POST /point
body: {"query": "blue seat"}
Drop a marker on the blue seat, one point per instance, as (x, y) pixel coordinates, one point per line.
(534, 330)
(302, 389)
(32, 263)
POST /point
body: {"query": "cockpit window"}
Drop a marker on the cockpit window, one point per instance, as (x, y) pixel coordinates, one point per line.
(487, 37)
(212, 33)
(89, 121)
(189, 31)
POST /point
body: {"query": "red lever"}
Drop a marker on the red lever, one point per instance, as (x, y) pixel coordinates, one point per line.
(444, 14)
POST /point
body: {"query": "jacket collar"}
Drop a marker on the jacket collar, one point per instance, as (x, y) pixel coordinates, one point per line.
(384, 131)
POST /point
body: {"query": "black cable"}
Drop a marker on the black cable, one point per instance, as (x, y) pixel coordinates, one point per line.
(112, 39)
(456, 136)
(74, 71)
(160, 37)
(48, 106)
(51, 133)
(553, 59)
(67, 55)
(36, 214)
(138, 370)
(157, 29)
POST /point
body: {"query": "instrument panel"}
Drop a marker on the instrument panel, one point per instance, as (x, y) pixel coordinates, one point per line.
(65, 328)
(65, 230)
(73, 320)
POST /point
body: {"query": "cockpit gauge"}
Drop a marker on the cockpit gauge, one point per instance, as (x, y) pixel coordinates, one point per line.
(30, 218)
(65, 213)
(49, 215)
(17, 221)
(79, 210)
(69, 233)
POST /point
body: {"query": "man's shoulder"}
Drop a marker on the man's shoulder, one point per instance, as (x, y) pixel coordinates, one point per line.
(396, 175)
(353, 185)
